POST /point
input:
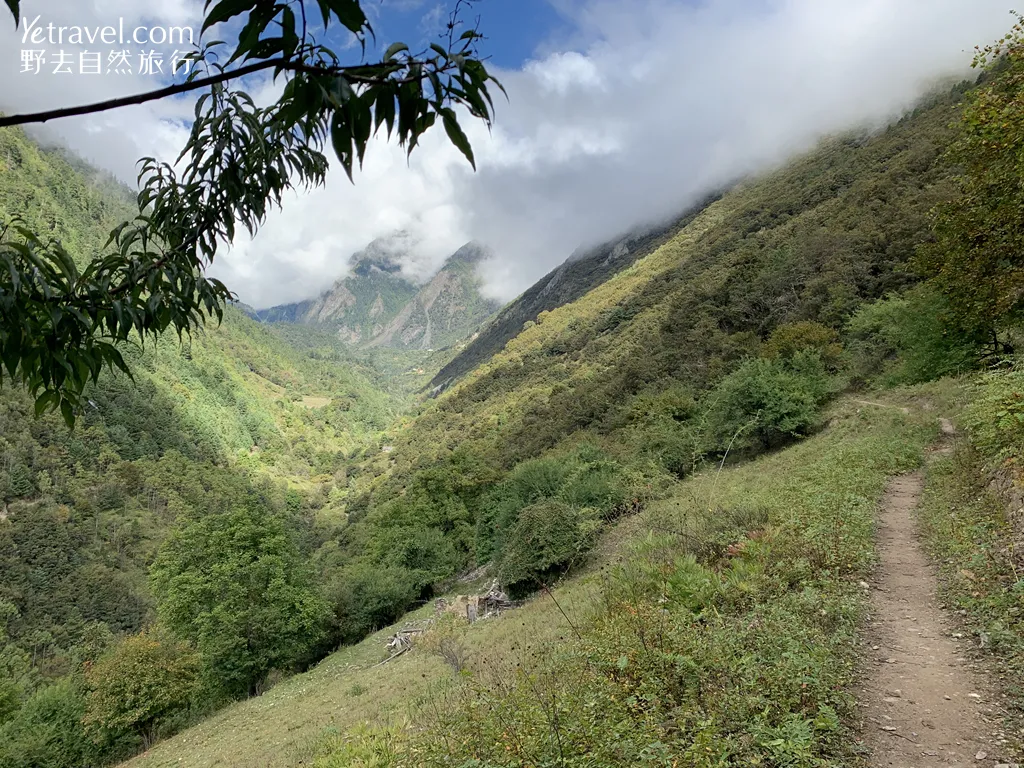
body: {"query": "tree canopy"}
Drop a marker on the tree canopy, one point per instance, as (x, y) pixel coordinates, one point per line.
(63, 315)
(234, 585)
(976, 259)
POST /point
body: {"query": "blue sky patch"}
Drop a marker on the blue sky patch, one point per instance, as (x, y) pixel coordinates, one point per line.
(514, 28)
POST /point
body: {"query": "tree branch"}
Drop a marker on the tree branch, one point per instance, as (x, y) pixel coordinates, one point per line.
(352, 73)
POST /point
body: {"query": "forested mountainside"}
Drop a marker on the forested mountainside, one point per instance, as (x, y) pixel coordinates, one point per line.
(235, 422)
(582, 271)
(377, 306)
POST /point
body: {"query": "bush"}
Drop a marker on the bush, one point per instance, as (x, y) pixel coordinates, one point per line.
(367, 596)
(47, 732)
(363, 747)
(585, 479)
(766, 403)
(427, 555)
(790, 338)
(600, 485)
(994, 417)
(546, 537)
(530, 481)
(909, 339)
(140, 684)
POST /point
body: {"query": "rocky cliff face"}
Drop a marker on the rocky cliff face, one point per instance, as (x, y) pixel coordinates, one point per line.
(377, 306)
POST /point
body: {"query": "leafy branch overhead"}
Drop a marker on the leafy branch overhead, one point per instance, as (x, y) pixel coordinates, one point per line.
(62, 315)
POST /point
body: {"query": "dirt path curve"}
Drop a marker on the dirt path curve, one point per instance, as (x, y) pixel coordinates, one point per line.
(922, 705)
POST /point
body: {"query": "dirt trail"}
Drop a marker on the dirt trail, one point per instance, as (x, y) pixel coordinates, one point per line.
(922, 704)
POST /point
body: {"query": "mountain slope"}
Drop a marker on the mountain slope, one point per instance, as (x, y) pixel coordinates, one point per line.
(663, 366)
(813, 241)
(582, 271)
(724, 341)
(445, 309)
(320, 718)
(376, 306)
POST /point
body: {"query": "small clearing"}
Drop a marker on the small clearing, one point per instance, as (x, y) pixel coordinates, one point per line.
(924, 703)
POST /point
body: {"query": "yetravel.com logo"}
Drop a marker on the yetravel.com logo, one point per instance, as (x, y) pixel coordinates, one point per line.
(104, 49)
(37, 33)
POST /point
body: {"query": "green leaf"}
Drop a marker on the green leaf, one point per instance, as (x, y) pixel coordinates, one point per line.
(13, 5)
(457, 136)
(10, 355)
(224, 10)
(349, 14)
(68, 412)
(44, 401)
(394, 49)
(341, 140)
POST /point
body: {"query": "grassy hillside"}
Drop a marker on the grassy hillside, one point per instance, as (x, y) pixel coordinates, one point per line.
(812, 242)
(783, 632)
(580, 273)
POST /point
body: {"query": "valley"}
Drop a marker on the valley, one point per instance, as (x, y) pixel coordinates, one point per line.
(748, 477)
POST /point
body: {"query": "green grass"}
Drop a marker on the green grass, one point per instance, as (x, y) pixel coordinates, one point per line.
(282, 727)
(973, 539)
(794, 612)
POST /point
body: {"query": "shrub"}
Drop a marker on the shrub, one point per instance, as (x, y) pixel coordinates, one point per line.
(585, 479)
(994, 417)
(530, 481)
(546, 537)
(675, 402)
(599, 485)
(909, 339)
(367, 596)
(142, 682)
(47, 732)
(766, 403)
(790, 338)
(446, 639)
(428, 555)
(363, 747)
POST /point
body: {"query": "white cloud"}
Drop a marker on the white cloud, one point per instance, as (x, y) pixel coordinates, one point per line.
(561, 73)
(657, 102)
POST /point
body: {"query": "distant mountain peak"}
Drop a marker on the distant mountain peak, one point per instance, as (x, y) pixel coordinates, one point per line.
(381, 255)
(371, 264)
(377, 305)
(471, 253)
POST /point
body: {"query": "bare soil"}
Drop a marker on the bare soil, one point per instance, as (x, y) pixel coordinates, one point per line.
(924, 702)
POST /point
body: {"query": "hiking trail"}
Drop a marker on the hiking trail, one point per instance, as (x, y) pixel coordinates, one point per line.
(923, 702)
